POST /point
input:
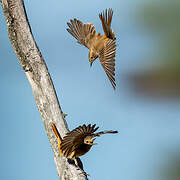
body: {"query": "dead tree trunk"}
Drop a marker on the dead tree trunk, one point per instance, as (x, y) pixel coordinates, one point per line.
(39, 78)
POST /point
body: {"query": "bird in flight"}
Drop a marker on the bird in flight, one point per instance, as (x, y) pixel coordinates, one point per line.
(78, 141)
(100, 46)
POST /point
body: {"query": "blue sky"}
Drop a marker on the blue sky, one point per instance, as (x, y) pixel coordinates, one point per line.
(148, 129)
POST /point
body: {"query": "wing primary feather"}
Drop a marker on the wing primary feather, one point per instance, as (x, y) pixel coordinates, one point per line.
(107, 59)
(105, 132)
(82, 32)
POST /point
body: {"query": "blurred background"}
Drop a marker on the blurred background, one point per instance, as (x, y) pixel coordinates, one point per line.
(145, 108)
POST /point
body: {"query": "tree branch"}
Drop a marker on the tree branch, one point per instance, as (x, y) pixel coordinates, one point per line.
(37, 73)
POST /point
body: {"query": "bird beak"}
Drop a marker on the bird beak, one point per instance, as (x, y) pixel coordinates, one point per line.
(91, 64)
(93, 141)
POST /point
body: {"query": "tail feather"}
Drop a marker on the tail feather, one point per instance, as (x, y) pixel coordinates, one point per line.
(106, 19)
(56, 132)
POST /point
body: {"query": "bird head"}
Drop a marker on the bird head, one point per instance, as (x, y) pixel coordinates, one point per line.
(88, 140)
(92, 56)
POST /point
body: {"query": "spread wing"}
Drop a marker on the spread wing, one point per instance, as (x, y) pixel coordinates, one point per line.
(107, 59)
(104, 132)
(82, 32)
(75, 138)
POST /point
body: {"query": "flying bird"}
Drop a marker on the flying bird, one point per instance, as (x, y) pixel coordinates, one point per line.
(100, 46)
(78, 141)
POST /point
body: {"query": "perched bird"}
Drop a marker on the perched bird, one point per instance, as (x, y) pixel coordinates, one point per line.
(78, 141)
(100, 46)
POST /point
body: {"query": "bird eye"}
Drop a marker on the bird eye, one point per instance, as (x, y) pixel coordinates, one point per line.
(91, 57)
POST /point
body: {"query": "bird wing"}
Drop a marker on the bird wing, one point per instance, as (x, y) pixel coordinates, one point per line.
(107, 59)
(104, 132)
(75, 138)
(82, 32)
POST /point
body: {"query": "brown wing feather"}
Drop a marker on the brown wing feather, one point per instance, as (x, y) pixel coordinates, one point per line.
(75, 138)
(107, 59)
(104, 132)
(82, 32)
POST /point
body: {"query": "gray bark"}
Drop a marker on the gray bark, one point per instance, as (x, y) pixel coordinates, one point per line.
(39, 78)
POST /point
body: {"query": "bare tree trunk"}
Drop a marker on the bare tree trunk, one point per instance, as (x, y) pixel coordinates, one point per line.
(37, 73)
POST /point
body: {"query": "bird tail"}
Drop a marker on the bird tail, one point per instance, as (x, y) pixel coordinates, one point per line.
(56, 132)
(105, 132)
(106, 18)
